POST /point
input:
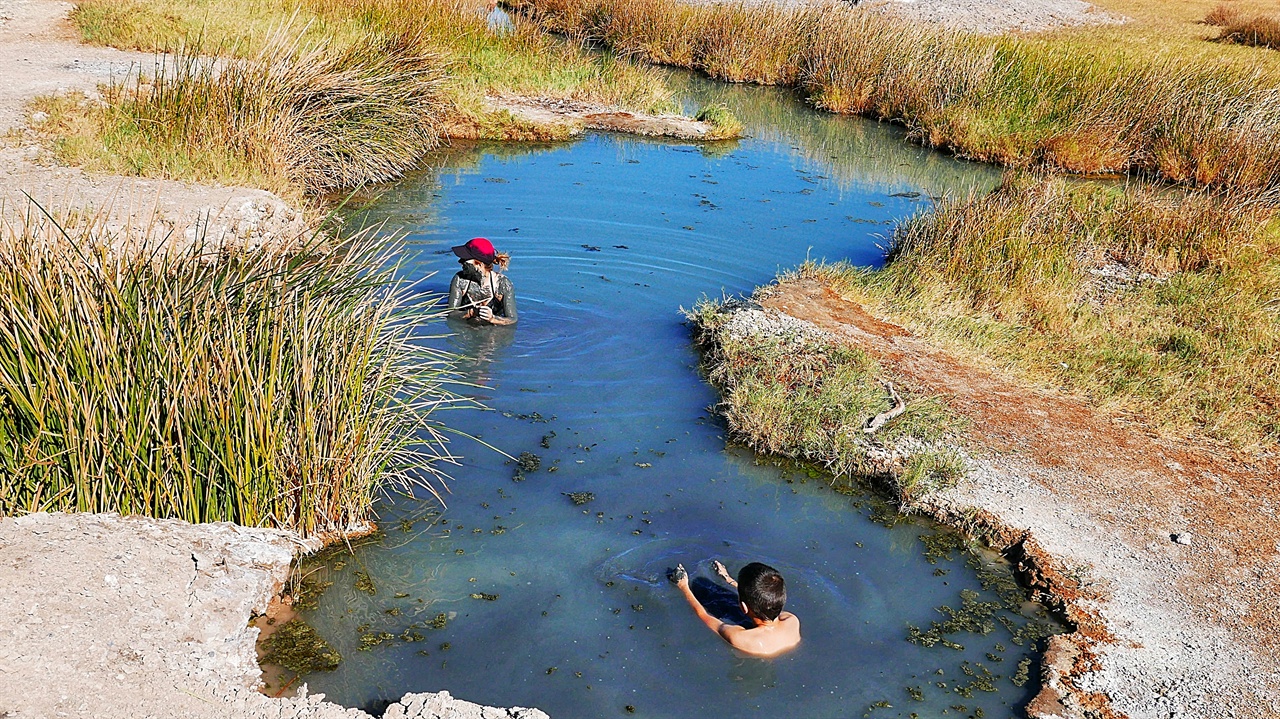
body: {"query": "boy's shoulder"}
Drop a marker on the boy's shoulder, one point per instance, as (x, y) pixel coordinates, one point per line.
(768, 640)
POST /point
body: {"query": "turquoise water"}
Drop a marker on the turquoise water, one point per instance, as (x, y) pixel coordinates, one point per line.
(565, 607)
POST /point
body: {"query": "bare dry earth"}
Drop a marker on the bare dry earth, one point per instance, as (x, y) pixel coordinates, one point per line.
(1187, 631)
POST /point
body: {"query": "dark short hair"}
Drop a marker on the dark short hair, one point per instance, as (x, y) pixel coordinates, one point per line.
(761, 588)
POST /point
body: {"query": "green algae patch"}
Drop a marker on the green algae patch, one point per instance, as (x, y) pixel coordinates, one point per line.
(297, 646)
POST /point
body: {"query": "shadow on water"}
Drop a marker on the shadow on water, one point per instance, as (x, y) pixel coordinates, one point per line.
(517, 594)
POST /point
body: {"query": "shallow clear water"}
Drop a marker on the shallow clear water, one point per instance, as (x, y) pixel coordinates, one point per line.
(610, 236)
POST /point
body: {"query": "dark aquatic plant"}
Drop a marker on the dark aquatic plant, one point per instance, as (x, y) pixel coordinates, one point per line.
(267, 388)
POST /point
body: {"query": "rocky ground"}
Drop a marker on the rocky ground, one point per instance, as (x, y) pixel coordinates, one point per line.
(1162, 552)
(102, 616)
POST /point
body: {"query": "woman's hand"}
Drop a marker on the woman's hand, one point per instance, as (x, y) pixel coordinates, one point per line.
(485, 313)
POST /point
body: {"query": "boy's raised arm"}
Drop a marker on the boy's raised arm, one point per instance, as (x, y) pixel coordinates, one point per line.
(681, 578)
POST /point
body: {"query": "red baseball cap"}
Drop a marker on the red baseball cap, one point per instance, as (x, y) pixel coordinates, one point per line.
(477, 248)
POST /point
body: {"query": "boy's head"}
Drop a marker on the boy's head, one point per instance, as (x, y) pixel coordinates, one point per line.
(762, 591)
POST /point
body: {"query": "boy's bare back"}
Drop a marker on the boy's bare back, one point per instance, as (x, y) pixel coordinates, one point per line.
(766, 637)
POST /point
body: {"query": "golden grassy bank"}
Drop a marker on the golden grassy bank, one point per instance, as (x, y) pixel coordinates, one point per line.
(304, 97)
(1007, 100)
(477, 60)
(1150, 302)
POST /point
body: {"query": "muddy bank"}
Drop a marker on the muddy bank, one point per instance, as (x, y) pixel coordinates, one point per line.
(122, 617)
(1161, 554)
(558, 119)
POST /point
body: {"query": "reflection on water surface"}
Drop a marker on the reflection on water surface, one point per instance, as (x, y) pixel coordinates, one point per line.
(515, 595)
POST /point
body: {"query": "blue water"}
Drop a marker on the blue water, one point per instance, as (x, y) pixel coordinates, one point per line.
(610, 236)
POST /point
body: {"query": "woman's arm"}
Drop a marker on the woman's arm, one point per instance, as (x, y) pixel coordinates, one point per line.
(458, 296)
(508, 293)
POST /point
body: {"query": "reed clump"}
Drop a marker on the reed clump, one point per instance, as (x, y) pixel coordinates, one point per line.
(808, 397)
(1149, 301)
(1234, 26)
(263, 388)
(286, 117)
(1007, 100)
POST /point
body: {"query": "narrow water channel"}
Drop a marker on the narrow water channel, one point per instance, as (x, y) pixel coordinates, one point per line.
(514, 594)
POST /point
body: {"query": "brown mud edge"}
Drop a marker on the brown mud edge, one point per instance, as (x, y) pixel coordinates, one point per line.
(1067, 657)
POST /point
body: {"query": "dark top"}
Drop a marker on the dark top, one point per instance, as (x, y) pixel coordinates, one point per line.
(495, 291)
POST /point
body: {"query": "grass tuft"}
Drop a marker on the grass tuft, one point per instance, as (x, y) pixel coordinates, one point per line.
(800, 395)
(1257, 31)
(722, 121)
(264, 388)
(316, 119)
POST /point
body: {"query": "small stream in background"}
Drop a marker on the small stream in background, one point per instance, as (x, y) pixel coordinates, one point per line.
(513, 594)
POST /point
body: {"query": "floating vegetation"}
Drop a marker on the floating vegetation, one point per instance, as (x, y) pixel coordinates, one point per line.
(401, 595)
(972, 616)
(439, 621)
(409, 635)
(499, 529)
(485, 596)
(546, 439)
(364, 583)
(942, 545)
(297, 647)
(307, 590)
(369, 640)
(406, 525)
(579, 498)
(1023, 674)
(394, 611)
(916, 693)
(528, 462)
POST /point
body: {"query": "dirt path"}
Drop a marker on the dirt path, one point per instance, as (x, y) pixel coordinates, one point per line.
(1194, 628)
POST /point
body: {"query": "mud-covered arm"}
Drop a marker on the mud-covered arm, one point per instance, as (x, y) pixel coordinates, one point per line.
(458, 296)
(508, 292)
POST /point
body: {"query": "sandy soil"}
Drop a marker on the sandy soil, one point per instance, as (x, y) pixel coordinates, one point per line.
(1167, 629)
(995, 17)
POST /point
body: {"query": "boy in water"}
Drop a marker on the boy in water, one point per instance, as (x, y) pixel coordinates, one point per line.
(762, 593)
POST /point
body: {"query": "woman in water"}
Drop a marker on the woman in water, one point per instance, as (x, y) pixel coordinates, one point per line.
(479, 292)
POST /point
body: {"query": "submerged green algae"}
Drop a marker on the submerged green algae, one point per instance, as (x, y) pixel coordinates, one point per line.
(297, 646)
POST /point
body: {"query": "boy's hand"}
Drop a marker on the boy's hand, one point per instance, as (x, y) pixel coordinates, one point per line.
(719, 569)
(678, 576)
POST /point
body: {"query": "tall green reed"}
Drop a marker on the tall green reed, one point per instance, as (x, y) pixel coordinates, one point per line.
(267, 388)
